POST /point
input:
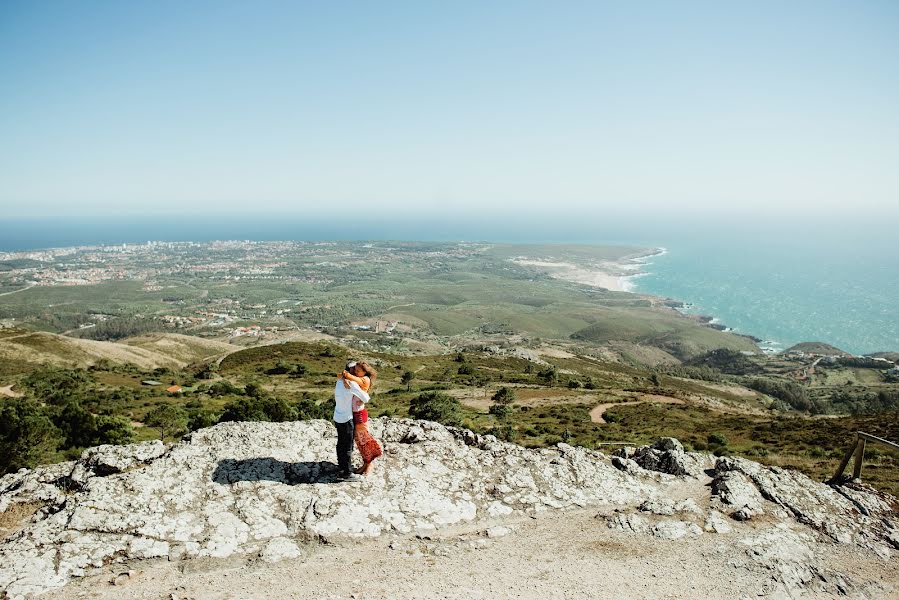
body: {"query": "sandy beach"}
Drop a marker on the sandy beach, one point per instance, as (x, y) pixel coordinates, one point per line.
(614, 276)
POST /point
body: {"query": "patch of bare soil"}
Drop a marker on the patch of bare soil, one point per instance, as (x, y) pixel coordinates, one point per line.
(12, 518)
(8, 392)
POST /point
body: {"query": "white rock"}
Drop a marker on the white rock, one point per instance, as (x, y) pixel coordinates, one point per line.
(498, 531)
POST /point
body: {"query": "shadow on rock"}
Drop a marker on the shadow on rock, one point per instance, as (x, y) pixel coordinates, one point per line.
(232, 470)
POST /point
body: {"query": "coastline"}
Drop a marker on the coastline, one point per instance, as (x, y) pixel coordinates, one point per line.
(622, 276)
(689, 309)
(615, 276)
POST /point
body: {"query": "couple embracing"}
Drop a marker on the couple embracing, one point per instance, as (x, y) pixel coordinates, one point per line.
(351, 392)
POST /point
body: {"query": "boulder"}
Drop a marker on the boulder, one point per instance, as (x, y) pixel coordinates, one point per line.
(737, 491)
(667, 455)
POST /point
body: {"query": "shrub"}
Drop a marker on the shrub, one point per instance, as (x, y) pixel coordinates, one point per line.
(717, 439)
(436, 406)
(466, 369)
(309, 409)
(198, 419)
(548, 375)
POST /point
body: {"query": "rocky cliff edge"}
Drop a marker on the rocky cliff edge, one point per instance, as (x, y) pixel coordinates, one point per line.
(266, 490)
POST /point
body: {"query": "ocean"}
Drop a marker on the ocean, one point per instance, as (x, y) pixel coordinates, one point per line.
(785, 292)
(829, 283)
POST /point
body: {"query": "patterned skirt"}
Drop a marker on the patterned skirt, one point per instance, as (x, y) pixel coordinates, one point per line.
(368, 446)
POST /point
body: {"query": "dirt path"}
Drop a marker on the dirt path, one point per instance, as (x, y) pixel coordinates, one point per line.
(596, 414)
(7, 391)
(390, 308)
(546, 558)
(27, 287)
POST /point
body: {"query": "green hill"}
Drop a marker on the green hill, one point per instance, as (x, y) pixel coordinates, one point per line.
(21, 350)
(817, 348)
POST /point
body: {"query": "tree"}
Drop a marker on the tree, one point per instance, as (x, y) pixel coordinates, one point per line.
(244, 409)
(502, 403)
(78, 426)
(407, 378)
(169, 418)
(208, 371)
(278, 410)
(57, 386)
(224, 387)
(27, 436)
(436, 406)
(259, 408)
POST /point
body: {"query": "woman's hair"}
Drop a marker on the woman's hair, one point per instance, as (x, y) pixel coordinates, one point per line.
(369, 370)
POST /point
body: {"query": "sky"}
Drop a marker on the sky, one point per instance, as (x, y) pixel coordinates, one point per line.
(498, 108)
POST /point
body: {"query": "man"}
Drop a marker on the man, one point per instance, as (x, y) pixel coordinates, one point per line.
(344, 390)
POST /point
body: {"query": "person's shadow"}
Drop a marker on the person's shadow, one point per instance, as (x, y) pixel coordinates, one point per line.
(231, 470)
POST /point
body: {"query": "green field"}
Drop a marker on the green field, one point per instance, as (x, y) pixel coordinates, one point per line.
(446, 293)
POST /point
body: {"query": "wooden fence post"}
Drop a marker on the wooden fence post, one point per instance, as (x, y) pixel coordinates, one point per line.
(843, 463)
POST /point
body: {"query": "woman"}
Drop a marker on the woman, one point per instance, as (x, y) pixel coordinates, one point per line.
(364, 375)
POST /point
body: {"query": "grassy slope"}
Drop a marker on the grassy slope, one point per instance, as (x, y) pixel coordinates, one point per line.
(21, 350)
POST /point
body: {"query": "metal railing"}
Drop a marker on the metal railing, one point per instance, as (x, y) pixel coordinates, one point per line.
(858, 450)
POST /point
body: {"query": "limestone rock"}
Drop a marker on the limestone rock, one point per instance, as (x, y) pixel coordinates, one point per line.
(716, 523)
(668, 529)
(670, 507)
(849, 515)
(738, 492)
(256, 488)
(263, 489)
(667, 456)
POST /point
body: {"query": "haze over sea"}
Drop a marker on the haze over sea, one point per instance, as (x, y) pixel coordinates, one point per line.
(782, 283)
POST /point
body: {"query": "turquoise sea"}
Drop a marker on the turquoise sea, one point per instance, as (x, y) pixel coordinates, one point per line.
(834, 282)
(784, 291)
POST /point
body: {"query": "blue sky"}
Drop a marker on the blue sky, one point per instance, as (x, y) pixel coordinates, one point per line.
(717, 108)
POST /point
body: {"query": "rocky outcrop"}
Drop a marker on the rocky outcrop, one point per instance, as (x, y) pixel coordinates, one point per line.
(664, 456)
(266, 490)
(845, 514)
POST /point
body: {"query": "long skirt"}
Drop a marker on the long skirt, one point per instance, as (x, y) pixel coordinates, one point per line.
(368, 446)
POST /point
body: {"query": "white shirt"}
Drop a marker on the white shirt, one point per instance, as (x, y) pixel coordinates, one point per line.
(343, 400)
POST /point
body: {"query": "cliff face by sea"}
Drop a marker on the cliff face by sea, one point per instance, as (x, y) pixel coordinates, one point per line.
(268, 490)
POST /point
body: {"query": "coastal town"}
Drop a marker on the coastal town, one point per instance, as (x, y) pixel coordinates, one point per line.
(236, 290)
